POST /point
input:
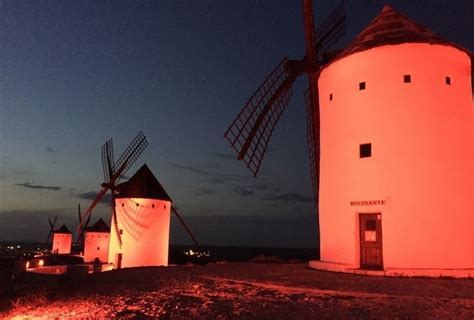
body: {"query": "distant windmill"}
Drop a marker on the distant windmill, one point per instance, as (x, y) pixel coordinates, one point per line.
(52, 223)
(113, 172)
(250, 132)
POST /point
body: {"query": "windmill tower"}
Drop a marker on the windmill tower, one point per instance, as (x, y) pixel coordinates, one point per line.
(397, 152)
(143, 222)
(390, 136)
(62, 241)
(96, 242)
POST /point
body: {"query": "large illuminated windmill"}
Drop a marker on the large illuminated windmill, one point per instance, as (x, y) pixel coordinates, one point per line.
(393, 120)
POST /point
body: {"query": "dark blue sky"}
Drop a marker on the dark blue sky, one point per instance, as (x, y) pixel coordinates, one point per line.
(75, 73)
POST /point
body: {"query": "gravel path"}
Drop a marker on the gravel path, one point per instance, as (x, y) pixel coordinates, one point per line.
(246, 291)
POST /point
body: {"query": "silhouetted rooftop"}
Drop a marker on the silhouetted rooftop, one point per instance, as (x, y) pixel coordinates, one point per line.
(390, 27)
(99, 226)
(63, 229)
(143, 184)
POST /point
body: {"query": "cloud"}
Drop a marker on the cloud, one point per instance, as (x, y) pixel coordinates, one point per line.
(222, 178)
(243, 192)
(224, 156)
(200, 170)
(49, 149)
(37, 186)
(258, 187)
(264, 186)
(288, 197)
(204, 191)
(106, 199)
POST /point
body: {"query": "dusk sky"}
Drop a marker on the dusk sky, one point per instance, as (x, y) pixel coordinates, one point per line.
(76, 73)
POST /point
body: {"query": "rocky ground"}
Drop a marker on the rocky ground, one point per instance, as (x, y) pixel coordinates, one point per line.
(240, 290)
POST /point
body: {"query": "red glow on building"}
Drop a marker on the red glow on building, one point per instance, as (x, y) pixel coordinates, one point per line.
(62, 241)
(143, 221)
(96, 242)
(396, 181)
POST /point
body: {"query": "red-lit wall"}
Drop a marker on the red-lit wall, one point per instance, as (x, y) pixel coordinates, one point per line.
(62, 243)
(145, 225)
(96, 245)
(422, 155)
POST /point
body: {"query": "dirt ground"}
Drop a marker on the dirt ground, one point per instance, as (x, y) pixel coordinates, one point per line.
(242, 291)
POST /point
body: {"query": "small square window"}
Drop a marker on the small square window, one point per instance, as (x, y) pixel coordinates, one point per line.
(330, 97)
(407, 78)
(361, 85)
(448, 81)
(98, 248)
(365, 150)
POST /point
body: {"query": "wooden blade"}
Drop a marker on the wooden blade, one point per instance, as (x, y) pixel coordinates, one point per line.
(309, 30)
(175, 211)
(331, 30)
(49, 235)
(115, 221)
(107, 155)
(86, 216)
(312, 134)
(250, 132)
(129, 156)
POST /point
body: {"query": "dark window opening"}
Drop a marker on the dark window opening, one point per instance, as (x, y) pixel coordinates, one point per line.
(365, 150)
(330, 97)
(407, 78)
(153, 205)
(121, 231)
(98, 248)
(361, 85)
(370, 225)
(448, 81)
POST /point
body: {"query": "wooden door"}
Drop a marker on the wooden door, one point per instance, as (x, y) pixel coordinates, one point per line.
(118, 261)
(371, 241)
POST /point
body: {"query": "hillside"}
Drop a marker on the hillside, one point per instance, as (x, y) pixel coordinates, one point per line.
(241, 290)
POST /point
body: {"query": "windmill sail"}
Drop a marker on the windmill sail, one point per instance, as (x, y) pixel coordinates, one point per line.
(331, 30)
(313, 143)
(107, 154)
(250, 132)
(175, 211)
(52, 223)
(112, 174)
(130, 155)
